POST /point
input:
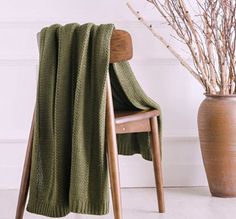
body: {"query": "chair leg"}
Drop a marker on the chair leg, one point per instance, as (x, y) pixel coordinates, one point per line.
(112, 153)
(24, 187)
(114, 174)
(157, 164)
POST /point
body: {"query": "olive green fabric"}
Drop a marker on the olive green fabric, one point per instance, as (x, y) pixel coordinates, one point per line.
(69, 167)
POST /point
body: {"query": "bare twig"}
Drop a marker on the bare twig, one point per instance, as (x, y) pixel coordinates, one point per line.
(159, 37)
(211, 40)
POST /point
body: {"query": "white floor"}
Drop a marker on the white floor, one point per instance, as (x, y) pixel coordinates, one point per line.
(181, 203)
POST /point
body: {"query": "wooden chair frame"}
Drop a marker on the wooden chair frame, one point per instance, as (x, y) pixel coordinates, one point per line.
(128, 122)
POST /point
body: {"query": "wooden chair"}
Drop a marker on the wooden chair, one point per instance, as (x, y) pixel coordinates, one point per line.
(116, 123)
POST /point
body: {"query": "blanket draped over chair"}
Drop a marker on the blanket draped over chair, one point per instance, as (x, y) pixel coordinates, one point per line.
(69, 166)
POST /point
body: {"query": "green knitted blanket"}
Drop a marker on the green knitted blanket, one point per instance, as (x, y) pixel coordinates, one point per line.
(69, 167)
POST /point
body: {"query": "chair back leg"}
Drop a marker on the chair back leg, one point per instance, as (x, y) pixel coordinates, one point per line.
(24, 186)
(112, 153)
(156, 156)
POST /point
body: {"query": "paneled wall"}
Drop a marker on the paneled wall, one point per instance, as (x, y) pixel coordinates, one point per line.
(160, 75)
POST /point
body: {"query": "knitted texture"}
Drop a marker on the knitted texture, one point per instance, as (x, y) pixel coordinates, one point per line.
(69, 166)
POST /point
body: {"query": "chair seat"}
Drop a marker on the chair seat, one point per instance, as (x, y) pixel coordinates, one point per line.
(134, 121)
(132, 116)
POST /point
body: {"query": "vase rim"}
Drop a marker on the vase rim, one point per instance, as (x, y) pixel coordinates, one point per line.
(219, 95)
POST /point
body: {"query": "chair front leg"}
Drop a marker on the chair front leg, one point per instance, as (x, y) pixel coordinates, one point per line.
(112, 153)
(24, 186)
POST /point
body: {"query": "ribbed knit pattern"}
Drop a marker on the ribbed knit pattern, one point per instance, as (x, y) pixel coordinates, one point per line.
(69, 166)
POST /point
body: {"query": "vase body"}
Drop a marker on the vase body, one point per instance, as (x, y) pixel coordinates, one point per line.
(217, 133)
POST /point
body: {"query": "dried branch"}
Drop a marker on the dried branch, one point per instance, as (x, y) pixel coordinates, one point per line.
(211, 40)
(159, 37)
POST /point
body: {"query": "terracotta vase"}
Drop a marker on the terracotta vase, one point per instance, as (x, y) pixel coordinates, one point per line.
(217, 132)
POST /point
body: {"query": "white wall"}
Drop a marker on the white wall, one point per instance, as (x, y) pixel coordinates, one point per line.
(158, 72)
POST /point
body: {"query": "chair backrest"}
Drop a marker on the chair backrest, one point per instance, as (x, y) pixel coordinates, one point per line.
(121, 48)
